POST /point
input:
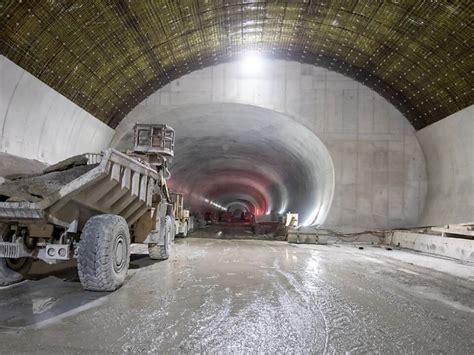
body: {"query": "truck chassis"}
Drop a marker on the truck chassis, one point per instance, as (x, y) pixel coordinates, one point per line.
(93, 219)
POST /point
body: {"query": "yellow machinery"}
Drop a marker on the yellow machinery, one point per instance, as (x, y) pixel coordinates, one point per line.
(94, 206)
(183, 221)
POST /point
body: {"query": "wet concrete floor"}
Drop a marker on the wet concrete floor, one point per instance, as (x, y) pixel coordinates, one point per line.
(249, 296)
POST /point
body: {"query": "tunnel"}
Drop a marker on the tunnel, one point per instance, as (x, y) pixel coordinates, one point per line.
(234, 153)
(187, 177)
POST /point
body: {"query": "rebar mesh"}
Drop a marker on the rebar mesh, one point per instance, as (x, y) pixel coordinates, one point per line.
(107, 56)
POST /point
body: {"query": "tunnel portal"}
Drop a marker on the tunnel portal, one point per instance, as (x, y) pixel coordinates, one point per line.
(233, 153)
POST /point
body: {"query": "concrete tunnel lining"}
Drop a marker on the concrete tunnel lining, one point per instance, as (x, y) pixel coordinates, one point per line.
(233, 152)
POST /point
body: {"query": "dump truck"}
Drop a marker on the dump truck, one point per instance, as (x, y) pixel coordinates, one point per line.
(183, 221)
(91, 207)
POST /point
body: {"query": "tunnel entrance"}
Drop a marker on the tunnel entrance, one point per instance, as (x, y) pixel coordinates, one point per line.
(240, 155)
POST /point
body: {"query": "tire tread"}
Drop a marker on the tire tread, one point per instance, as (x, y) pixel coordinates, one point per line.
(94, 259)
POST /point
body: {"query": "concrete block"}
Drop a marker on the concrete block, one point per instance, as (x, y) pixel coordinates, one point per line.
(334, 76)
(341, 85)
(233, 70)
(366, 111)
(185, 98)
(350, 111)
(411, 201)
(395, 202)
(380, 162)
(396, 121)
(218, 90)
(231, 89)
(380, 201)
(395, 156)
(349, 162)
(279, 95)
(333, 109)
(308, 105)
(457, 248)
(279, 70)
(218, 71)
(319, 74)
(248, 90)
(203, 84)
(164, 98)
(293, 70)
(293, 90)
(306, 84)
(319, 84)
(319, 111)
(381, 114)
(264, 93)
(349, 204)
(175, 86)
(296, 238)
(307, 70)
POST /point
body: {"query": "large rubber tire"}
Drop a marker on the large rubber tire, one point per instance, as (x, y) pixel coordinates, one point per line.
(104, 253)
(191, 225)
(162, 252)
(12, 270)
(21, 265)
(8, 276)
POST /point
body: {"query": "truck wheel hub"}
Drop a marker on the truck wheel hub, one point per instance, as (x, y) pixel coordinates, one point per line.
(120, 253)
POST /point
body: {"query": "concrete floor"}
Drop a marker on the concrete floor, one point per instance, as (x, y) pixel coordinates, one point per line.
(251, 296)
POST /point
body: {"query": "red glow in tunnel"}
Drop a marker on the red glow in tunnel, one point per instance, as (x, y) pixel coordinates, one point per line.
(227, 186)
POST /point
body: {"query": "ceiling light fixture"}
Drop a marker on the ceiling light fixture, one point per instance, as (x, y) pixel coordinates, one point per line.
(252, 63)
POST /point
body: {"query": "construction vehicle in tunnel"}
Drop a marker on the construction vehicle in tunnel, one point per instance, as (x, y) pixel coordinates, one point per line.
(91, 207)
(184, 222)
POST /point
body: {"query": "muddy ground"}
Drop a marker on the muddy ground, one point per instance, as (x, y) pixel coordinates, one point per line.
(251, 296)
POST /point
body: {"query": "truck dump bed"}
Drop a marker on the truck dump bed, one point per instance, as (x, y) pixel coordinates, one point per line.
(110, 182)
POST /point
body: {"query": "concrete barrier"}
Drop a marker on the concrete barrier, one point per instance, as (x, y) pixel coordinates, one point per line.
(457, 248)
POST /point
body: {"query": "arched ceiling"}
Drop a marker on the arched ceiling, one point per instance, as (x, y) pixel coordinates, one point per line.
(231, 153)
(107, 56)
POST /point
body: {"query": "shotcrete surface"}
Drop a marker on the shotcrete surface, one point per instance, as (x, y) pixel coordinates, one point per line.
(249, 296)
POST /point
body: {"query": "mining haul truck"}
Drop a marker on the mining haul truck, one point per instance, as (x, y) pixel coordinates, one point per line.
(90, 208)
(183, 220)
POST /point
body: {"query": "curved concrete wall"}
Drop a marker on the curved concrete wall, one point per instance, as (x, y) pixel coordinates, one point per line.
(229, 153)
(449, 149)
(379, 166)
(37, 122)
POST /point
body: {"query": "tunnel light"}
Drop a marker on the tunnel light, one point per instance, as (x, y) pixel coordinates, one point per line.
(252, 63)
(213, 203)
(311, 220)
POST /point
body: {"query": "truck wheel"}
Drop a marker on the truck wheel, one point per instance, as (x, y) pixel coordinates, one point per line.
(186, 230)
(13, 270)
(104, 253)
(20, 265)
(7, 275)
(162, 252)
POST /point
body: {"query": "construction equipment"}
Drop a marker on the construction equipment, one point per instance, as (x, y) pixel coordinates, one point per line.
(91, 207)
(291, 220)
(183, 220)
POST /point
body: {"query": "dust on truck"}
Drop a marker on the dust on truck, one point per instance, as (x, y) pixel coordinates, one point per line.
(91, 208)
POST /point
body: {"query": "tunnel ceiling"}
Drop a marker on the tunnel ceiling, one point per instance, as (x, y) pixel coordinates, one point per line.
(107, 56)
